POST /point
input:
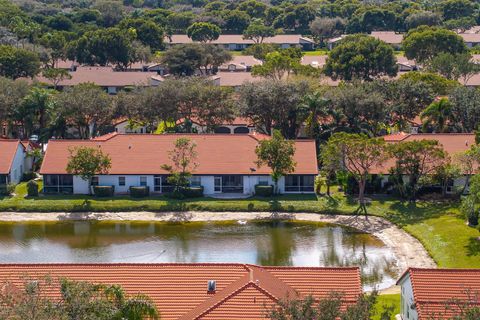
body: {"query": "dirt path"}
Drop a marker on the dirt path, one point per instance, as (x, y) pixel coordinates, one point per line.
(408, 250)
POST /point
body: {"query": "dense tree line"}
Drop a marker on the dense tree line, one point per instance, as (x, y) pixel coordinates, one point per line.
(119, 33)
(292, 105)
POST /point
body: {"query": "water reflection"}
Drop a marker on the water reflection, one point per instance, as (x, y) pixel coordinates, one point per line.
(265, 243)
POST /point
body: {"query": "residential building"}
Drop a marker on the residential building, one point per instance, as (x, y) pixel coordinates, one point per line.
(240, 64)
(226, 164)
(202, 291)
(471, 39)
(452, 143)
(438, 293)
(13, 162)
(106, 77)
(237, 42)
(391, 37)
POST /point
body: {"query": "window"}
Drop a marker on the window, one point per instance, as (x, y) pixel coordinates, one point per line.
(121, 181)
(195, 181)
(298, 183)
(143, 181)
(58, 183)
(94, 181)
(263, 181)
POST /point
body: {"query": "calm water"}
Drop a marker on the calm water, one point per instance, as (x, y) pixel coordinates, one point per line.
(265, 243)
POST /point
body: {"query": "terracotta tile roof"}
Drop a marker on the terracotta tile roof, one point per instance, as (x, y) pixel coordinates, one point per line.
(8, 149)
(217, 153)
(395, 137)
(243, 292)
(315, 61)
(433, 288)
(452, 143)
(241, 62)
(470, 37)
(390, 37)
(236, 79)
(238, 39)
(105, 77)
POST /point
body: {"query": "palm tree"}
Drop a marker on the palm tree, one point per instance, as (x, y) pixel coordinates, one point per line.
(314, 108)
(138, 307)
(437, 114)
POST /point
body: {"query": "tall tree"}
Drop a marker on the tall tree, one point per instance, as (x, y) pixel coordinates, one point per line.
(203, 31)
(465, 108)
(361, 57)
(325, 28)
(87, 162)
(272, 104)
(357, 154)
(16, 63)
(416, 159)
(276, 153)
(424, 43)
(257, 31)
(437, 115)
(183, 158)
(56, 76)
(87, 107)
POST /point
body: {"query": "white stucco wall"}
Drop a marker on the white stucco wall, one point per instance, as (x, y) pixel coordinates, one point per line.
(130, 181)
(208, 184)
(18, 165)
(407, 300)
(80, 186)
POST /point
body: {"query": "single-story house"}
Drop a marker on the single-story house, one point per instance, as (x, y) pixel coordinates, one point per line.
(200, 291)
(237, 42)
(471, 39)
(226, 164)
(428, 293)
(13, 161)
(240, 63)
(452, 143)
(112, 81)
(391, 37)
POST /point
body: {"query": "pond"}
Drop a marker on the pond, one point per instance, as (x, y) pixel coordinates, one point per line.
(275, 243)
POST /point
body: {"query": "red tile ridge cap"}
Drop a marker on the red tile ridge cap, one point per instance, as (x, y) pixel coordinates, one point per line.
(122, 264)
(217, 299)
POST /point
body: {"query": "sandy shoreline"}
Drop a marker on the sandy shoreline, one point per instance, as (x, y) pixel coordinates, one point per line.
(408, 250)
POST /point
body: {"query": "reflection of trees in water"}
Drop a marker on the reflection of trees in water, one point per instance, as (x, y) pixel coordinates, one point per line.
(346, 248)
(276, 246)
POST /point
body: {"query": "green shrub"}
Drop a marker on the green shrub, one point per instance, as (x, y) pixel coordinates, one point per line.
(7, 189)
(139, 192)
(263, 191)
(32, 188)
(177, 195)
(27, 176)
(192, 192)
(103, 191)
(473, 218)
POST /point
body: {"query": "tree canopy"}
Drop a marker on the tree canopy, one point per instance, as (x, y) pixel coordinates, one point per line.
(361, 57)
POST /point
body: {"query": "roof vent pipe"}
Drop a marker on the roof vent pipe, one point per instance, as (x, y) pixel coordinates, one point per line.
(212, 286)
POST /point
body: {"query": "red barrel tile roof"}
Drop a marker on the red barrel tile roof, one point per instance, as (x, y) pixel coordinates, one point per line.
(146, 153)
(433, 290)
(243, 292)
(452, 143)
(8, 149)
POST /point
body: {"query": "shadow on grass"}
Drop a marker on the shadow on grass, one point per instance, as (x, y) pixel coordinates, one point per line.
(406, 212)
(473, 247)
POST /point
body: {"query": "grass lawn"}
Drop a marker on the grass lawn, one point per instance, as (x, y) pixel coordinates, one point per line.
(387, 300)
(439, 226)
(316, 53)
